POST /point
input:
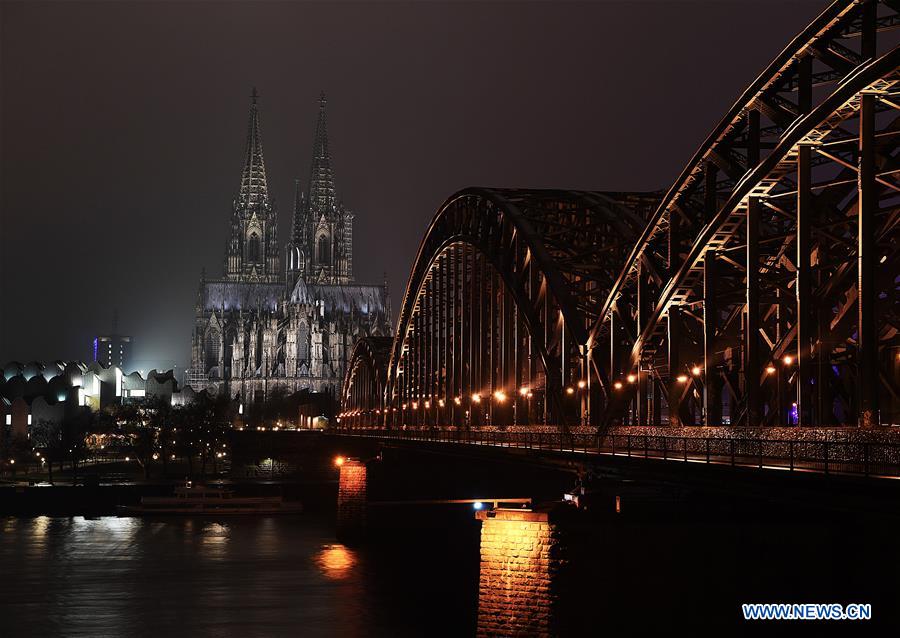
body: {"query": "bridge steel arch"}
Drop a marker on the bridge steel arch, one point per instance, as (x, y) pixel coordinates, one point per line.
(362, 392)
(763, 289)
(760, 289)
(499, 303)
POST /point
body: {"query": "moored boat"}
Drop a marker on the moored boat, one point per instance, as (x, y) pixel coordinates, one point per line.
(200, 499)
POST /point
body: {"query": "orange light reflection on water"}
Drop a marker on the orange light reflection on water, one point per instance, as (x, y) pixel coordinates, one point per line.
(335, 561)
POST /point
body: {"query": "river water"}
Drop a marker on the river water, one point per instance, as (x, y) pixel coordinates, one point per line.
(275, 576)
(684, 568)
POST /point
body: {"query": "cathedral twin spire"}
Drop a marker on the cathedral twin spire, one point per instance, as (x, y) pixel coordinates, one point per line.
(321, 178)
(320, 246)
(254, 186)
(252, 253)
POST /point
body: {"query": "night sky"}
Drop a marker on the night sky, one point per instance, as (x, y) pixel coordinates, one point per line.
(123, 127)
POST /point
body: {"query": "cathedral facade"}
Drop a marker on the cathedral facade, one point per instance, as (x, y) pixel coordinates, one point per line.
(260, 327)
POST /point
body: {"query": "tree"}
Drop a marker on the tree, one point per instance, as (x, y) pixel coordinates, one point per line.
(163, 419)
(46, 436)
(75, 427)
(20, 452)
(187, 432)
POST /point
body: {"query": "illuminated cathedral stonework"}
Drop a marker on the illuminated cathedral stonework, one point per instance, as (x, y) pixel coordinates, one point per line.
(259, 327)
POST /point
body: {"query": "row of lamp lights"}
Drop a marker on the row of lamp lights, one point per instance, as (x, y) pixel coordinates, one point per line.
(683, 378)
(498, 395)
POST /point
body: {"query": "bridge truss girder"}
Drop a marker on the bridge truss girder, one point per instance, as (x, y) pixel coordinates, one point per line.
(494, 322)
(778, 249)
(760, 289)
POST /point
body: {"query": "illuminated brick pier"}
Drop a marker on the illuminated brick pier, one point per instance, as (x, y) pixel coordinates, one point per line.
(351, 510)
(520, 559)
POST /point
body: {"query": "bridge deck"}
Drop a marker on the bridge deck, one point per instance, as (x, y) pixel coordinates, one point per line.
(867, 459)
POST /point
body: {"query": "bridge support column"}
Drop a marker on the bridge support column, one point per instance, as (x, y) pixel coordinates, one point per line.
(351, 508)
(521, 561)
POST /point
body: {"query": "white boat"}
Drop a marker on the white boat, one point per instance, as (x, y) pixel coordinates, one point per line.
(199, 499)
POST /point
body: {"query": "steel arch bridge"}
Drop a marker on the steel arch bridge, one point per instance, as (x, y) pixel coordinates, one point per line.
(760, 289)
(365, 380)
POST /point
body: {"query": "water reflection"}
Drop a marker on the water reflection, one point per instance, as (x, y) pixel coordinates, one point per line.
(39, 526)
(242, 576)
(335, 561)
(214, 540)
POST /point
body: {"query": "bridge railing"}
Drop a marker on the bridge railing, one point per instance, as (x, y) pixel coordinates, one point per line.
(863, 458)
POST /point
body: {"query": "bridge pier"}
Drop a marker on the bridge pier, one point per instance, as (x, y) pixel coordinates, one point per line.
(352, 499)
(523, 559)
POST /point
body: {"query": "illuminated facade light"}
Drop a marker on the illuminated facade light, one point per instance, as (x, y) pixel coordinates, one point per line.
(476, 398)
(339, 461)
(570, 390)
(457, 400)
(415, 405)
(695, 371)
(770, 370)
(617, 385)
(631, 378)
(500, 396)
(788, 360)
(441, 402)
(581, 385)
(523, 391)
(681, 378)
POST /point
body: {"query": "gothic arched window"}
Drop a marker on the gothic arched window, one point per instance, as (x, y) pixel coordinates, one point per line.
(253, 247)
(303, 344)
(323, 250)
(213, 348)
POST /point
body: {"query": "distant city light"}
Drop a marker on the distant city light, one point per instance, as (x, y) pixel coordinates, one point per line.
(478, 505)
(339, 461)
(788, 360)
(695, 371)
(617, 385)
(581, 385)
(681, 378)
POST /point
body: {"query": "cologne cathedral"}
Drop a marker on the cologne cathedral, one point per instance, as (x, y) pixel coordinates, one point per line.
(259, 327)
